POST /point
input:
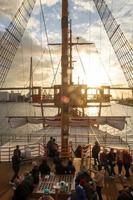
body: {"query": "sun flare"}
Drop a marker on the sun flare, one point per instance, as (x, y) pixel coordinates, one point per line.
(90, 71)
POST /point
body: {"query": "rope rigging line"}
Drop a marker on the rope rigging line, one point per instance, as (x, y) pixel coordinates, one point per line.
(56, 73)
(121, 46)
(12, 37)
(46, 33)
(81, 61)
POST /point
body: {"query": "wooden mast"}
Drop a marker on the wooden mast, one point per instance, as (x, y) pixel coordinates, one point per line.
(65, 82)
(31, 80)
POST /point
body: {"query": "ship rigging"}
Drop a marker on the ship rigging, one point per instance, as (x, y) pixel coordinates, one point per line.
(67, 96)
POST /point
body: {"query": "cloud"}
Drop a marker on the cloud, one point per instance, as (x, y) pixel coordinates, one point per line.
(83, 5)
(47, 2)
(9, 7)
(86, 24)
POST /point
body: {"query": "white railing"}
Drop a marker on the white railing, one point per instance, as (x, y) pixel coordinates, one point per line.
(37, 149)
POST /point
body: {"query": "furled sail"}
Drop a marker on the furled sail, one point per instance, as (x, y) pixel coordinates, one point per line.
(117, 122)
(16, 122)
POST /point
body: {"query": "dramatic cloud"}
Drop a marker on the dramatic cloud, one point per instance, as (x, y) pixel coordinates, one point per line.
(86, 25)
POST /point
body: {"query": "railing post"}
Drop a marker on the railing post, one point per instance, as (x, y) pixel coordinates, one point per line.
(90, 157)
(39, 149)
(0, 154)
(9, 153)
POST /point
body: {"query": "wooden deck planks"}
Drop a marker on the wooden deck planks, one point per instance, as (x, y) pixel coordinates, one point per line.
(110, 191)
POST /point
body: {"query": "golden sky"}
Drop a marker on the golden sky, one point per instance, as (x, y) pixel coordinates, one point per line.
(93, 65)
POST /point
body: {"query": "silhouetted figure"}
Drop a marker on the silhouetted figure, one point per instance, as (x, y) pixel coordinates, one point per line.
(127, 159)
(99, 179)
(125, 194)
(80, 191)
(35, 173)
(103, 158)
(49, 147)
(111, 158)
(15, 166)
(83, 174)
(95, 152)
(119, 160)
(90, 190)
(78, 151)
(44, 168)
(59, 168)
(17, 151)
(24, 189)
(70, 169)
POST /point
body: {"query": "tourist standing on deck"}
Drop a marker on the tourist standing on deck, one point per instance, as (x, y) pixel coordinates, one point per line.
(55, 148)
(80, 191)
(17, 151)
(103, 158)
(99, 179)
(49, 146)
(95, 153)
(119, 161)
(15, 165)
(111, 159)
(44, 168)
(70, 169)
(127, 159)
(35, 173)
(24, 188)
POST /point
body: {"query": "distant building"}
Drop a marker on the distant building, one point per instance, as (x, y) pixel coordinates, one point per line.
(11, 97)
(14, 96)
(4, 96)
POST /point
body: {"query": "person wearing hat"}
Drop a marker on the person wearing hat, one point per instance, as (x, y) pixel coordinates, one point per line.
(46, 195)
(80, 191)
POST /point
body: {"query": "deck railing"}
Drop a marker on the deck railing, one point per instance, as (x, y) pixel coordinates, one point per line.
(40, 149)
(36, 150)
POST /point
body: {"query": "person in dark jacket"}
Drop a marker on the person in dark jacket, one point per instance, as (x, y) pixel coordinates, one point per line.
(111, 159)
(70, 169)
(83, 174)
(44, 168)
(125, 194)
(35, 173)
(15, 166)
(80, 191)
(17, 151)
(95, 153)
(24, 189)
(60, 168)
(127, 159)
(49, 147)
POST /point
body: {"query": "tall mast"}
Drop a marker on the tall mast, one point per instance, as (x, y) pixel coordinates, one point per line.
(31, 80)
(65, 82)
(71, 53)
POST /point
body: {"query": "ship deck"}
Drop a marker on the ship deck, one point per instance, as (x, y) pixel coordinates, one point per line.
(110, 191)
